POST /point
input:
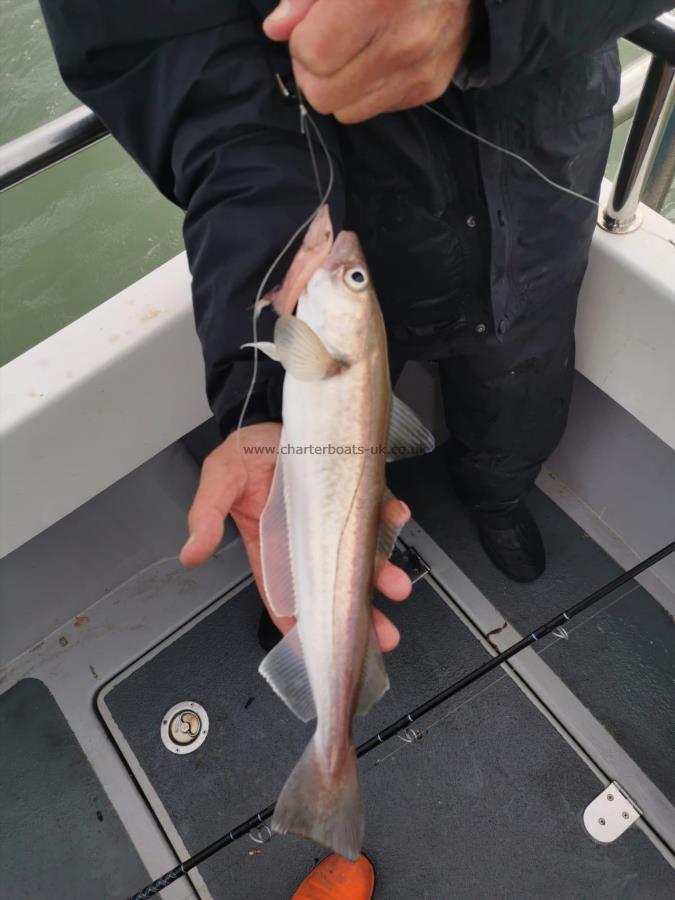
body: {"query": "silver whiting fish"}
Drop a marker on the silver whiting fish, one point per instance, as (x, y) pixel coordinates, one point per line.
(322, 533)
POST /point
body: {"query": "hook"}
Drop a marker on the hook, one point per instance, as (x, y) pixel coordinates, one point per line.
(262, 835)
(409, 735)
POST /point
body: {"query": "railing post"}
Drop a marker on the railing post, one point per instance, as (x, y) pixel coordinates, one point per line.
(651, 118)
(662, 172)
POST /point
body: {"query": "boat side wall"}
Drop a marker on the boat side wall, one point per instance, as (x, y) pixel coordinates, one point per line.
(99, 398)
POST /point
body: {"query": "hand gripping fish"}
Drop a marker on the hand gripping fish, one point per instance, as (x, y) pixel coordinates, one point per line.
(322, 533)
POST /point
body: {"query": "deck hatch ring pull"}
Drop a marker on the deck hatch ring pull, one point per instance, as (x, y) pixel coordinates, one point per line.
(184, 727)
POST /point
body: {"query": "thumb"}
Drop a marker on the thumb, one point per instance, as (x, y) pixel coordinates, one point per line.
(289, 13)
(219, 487)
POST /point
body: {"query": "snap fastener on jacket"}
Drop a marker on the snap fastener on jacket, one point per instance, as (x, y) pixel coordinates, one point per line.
(472, 222)
(480, 328)
(501, 328)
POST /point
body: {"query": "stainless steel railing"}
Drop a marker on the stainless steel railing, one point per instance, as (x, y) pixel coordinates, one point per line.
(49, 144)
(648, 161)
(632, 79)
(645, 172)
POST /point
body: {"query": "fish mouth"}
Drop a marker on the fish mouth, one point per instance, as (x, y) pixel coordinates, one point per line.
(316, 247)
(346, 252)
(318, 251)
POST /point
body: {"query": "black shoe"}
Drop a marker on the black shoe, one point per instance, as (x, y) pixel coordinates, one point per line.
(512, 540)
(268, 633)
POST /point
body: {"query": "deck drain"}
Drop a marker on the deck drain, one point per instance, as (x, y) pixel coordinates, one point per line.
(184, 727)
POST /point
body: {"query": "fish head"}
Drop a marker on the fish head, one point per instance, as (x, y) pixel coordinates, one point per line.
(340, 303)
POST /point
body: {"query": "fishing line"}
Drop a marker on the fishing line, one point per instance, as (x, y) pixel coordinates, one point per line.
(494, 662)
(305, 119)
(304, 115)
(525, 162)
(451, 712)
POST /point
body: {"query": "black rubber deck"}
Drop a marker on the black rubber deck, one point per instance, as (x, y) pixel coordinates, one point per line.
(487, 804)
(619, 659)
(59, 836)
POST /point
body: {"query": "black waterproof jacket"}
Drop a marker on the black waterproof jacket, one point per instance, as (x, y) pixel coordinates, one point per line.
(477, 262)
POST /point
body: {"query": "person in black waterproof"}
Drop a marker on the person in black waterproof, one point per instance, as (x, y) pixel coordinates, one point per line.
(476, 260)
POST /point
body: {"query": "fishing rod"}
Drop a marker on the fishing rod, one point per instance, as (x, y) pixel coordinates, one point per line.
(258, 818)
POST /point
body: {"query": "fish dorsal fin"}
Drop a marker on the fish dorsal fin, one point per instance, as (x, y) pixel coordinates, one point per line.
(301, 352)
(285, 671)
(375, 681)
(407, 435)
(275, 551)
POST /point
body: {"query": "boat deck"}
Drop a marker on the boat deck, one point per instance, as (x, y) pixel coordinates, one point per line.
(486, 801)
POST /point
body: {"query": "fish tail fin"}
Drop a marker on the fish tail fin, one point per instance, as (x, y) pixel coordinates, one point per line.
(322, 803)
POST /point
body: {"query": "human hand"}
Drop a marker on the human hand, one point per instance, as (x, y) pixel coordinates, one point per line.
(237, 482)
(359, 58)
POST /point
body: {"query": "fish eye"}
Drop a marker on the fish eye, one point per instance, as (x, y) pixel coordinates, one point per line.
(356, 279)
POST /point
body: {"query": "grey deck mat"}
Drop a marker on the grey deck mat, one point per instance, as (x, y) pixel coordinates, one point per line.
(488, 804)
(619, 659)
(60, 838)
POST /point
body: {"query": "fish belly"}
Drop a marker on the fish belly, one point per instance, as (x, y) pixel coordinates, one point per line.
(331, 513)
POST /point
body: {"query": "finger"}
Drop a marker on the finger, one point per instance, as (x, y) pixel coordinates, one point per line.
(219, 486)
(398, 94)
(328, 93)
(280, 23)
(332, 34)
(391, 73)
(388, 635)
(393, 583)
(395, 513)
(204, 539)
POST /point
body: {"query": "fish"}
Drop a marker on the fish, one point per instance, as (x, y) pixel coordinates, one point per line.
(323, 534)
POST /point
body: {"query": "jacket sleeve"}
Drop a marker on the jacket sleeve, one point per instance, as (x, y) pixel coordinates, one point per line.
(201, 111)
(521, 37)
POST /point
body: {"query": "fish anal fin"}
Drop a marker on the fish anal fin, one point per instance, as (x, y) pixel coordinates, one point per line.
(407, 435)
(375, 681)
(275, 552)
(285, 671)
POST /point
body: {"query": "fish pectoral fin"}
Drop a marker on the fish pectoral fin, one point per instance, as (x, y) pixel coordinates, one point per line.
(391, 526)
(407, 435)
(266, 347)
(375, 682)
(301, 352)
(275, 551)
(285, 671)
